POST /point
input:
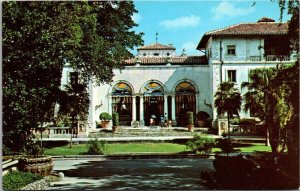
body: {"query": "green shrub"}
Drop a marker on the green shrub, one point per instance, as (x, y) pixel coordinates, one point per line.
(225, 145)
(115, 119)
(96, 147)
(34, 149)
(190, 116)
(235, 121)
(16, 179)
(200, 143)
(105, 116)
(246, 121)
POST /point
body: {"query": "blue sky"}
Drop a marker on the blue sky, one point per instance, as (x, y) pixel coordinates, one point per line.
(183, 23)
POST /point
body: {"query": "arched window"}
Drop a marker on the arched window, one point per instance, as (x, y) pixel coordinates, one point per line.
(121, 89)
(153, 102)
(153, 89)
(185, 101)
(122, 102)
(185, 88)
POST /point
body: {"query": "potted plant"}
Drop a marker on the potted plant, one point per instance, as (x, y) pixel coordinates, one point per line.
(202, 118)
(115, 121)
(105, 118)
(190, 117)
(35, 161)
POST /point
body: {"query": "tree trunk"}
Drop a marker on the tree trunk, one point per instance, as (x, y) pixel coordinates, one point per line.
(273, 141)
(228, 127)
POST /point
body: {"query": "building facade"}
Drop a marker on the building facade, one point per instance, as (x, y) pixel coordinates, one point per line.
(157, 82)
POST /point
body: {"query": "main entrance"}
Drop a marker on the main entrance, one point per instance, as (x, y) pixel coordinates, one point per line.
(185, 101)
(153, 102)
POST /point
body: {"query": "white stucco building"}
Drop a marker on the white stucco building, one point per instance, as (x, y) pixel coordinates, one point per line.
(159, 82)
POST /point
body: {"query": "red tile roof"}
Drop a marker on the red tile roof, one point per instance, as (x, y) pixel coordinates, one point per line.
(178, 60)
(157, 47)
(246, 29)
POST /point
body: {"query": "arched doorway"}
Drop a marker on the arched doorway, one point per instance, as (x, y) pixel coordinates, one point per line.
(122, 102)
(153, 101)
(185, 101)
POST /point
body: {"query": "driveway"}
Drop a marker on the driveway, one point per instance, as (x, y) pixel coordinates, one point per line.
(132, 174)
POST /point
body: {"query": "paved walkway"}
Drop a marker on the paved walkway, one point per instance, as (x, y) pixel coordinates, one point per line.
(134, 174)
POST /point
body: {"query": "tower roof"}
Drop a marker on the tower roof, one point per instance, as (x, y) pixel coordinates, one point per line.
(157, 46)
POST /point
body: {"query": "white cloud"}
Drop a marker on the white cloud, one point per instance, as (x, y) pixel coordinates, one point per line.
(189, 47)
(227, 9)
(137, 17)
(181, 22)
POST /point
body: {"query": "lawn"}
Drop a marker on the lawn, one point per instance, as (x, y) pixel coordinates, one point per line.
(144, 147)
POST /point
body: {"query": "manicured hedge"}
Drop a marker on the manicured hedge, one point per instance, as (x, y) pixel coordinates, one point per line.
(17, 179)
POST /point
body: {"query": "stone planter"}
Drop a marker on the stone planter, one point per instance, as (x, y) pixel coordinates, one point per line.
(190, 128)
(114, 128)
(40, 165)
(104, 124)
(201, 123)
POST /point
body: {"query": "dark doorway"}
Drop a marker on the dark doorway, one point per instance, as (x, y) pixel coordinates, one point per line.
(153, 109)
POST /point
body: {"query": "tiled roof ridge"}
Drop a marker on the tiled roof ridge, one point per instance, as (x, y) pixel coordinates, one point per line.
(217, 30)
(192, 59)
(235, 25)
(160, 46)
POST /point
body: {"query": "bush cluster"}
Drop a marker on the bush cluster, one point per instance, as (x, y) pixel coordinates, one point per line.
(17, 179)
(96, 147)
(225, 145)
(200, 143)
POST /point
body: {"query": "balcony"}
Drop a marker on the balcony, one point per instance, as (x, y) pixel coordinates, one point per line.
(277, 58)
(270, 58)
(254, 58)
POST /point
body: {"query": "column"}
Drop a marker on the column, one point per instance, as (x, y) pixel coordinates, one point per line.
(165, 106)
(110, 104)
(173, 108)
(142, 110)
(198, 103)
(133, 108)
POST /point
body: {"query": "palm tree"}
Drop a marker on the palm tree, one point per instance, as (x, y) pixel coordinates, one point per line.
(267, 98)
(74, 101)
(74, 98)
(228, 100)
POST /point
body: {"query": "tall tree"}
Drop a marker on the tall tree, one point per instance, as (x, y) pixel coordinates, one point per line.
(39, 37)
(292, 7)
(269, 98)
(228, 101)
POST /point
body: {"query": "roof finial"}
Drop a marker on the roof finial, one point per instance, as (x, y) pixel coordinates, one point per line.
(156, 37)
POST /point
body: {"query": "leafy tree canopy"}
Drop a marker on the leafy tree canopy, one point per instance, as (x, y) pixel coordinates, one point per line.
(39, 37)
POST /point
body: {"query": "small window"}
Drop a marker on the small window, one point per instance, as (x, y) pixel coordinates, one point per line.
(231, 74)
(231, 49)
(144, 54)
(168, 54)
(156, 54)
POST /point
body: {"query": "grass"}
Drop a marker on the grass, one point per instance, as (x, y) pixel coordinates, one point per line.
(145, 147)
(16, 180)
(118, 148)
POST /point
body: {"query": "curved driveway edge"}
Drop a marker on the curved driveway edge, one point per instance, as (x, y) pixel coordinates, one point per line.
(133, 156)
